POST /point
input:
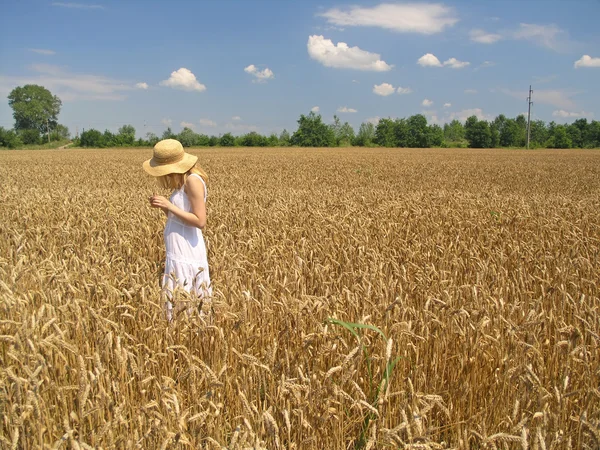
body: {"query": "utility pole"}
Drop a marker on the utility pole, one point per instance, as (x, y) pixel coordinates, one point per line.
(529, 103)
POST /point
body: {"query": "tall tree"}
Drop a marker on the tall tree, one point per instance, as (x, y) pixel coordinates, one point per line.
(385, 133)
(366, 135)
(284, 138)
(538, 133)
(346, 135)
(187, 137)
(34, 108)
(454, 131)
(478, 133)
(436, 135)
(312, 132)
(418, 132)
(126, 135)
(559, 138)
(168, 134)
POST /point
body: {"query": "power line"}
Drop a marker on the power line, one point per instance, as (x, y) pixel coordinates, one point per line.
(529, 103)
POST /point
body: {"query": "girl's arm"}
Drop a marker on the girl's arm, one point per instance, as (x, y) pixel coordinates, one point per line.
(194, 189)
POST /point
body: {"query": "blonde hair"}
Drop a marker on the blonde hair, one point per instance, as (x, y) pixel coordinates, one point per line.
(177, 180)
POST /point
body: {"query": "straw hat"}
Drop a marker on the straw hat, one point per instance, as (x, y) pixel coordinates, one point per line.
(169, 157)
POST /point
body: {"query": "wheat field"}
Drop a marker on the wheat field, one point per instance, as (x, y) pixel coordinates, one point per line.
(363, 298)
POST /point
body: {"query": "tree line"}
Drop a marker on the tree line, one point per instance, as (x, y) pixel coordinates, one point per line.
(36, 119)
(413, 131)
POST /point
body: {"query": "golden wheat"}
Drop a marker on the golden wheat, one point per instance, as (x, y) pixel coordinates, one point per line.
(481, 268)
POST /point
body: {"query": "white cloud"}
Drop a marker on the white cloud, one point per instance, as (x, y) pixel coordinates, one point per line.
(429, 60)
(447, 105)
(341, 56)
(571, 114)
(240, 128)
(587, 61)
(384, 89)
(427, 102)
(558, 98)
(261, 75)
(424, 18)
(486, 64)
(466, 113)
(187, 125)
(470, 91)
(207, 123)
(344, 109)
(236, 118)
(315, 109)
(183, 79)
(77, 5)
(483, 37)
(141, 85)
(454, 63)
(69, 86)
(432, 117)
(549, 36)
(166, 122)
(42, 51)
(373, 120)
(403, 91)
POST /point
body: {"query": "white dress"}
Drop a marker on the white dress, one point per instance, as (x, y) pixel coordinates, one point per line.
(186, 265)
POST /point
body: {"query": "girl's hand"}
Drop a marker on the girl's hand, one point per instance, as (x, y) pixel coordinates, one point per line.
(158, 201)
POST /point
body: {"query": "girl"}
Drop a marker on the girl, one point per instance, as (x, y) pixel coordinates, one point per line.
(186, 265)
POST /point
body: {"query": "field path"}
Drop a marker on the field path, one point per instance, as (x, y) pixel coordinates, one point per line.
(62, 147)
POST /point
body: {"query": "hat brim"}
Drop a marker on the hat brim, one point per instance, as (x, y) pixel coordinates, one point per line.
(159, 170)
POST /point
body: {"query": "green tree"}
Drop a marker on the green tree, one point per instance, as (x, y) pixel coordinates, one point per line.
(559, 138)
(509, 133)
(499, 124)
(312, 132)
(202, 140)
(436, 135)
(418, 132)
(253, 139)
(60, 133)
(538, 133)
(34, 108)
(521, 131)
(401, 133)
(454, 132)
(385, 133)
(478, 133)
(30, 137)
(575, 135)
(284, 138)
(593, 135)
(152, 139)
(187, 137)
(584, 128)
(346, 135)
(366, 135)
(9, 139)
(227, 140)
(273, 140)
(108, 140)
(213, 141)
(91, 138)
(336, 127)
(168, 134)
(125, 136)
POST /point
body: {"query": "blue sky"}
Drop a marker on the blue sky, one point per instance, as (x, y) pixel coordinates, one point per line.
(239, 66)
